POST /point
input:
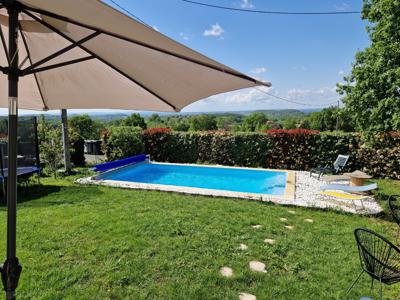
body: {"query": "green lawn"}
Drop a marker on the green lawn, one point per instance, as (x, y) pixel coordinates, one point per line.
(90, 242)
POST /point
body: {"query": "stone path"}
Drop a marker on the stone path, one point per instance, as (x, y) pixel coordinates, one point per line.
(243, 247)
(257, 266)
(269, 241)
(226, 272)
(246, 296)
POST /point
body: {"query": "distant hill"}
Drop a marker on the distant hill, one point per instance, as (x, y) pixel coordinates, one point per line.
(278, 113)
(272, 113)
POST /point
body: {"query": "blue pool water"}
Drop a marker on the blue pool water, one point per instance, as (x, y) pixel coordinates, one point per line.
(215, 178)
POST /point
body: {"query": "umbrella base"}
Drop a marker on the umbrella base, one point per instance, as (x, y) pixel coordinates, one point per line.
(10, 273)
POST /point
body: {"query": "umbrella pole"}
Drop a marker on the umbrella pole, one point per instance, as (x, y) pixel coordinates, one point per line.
(11, 269)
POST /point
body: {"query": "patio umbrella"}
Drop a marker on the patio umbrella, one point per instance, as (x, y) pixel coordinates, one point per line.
(65, 54)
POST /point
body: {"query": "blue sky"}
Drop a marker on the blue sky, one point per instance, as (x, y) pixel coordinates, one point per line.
(303, 56)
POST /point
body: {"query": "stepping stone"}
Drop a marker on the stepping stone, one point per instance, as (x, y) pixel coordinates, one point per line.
(291, 212)
(309, 220)
(290, 227)
(269, 241)
(226, 272)
(257, 266)
(283, 219)
(256, 226)
(243, 247)
(246, 296)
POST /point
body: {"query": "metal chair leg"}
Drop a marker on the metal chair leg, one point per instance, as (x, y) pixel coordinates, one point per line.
(354, 283)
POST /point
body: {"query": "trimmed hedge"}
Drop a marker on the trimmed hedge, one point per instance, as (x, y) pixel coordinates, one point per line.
(276, 149)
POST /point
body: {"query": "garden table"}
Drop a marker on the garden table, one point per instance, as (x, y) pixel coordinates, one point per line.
(357, 178)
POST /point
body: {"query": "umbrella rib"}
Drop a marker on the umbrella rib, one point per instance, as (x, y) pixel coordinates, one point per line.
(60, 52)
(3, 41)
(62, 64)
(232, 73)
(44, 23)
(30, 60)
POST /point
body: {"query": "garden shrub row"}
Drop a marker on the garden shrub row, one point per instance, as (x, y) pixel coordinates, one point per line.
(276, 149)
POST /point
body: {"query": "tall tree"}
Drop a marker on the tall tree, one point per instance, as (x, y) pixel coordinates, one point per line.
(135, 120)
(254, 121)
(85, 126)
(203, 122)
(372, 91)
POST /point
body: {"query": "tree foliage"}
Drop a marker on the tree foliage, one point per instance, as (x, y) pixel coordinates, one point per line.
(254, 122)
(134, 120)
(121, 142)
(203, 123)
(372, 90)
(50, 145)
(85, 127)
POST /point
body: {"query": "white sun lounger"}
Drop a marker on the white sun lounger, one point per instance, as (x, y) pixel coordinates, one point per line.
(350, 189)
(329, 178)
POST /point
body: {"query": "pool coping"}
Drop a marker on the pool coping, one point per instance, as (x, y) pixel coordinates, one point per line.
(288, 195)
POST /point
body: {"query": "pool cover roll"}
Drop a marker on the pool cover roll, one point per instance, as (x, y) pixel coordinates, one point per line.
(119, 163)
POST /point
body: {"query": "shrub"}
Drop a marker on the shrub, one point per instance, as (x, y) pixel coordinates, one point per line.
(123, 141)
(50, 146)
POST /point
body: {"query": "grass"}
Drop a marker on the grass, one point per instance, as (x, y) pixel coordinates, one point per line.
(90, 242)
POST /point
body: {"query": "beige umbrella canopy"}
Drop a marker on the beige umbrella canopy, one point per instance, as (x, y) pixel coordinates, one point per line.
(63, 54)
(116, 62)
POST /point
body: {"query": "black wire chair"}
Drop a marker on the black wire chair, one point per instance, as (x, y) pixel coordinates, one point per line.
(379, 258)
(394, 206)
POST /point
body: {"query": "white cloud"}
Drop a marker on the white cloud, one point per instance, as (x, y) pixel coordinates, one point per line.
(259, 70)
(216, 30)
(341, 72)
(242, 99)
(300, 68)
(184, 36)
(246, 4)
(252, 99)
(342, 7)
(318, 96)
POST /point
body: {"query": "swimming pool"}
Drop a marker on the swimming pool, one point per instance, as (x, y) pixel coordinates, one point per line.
(195, 178)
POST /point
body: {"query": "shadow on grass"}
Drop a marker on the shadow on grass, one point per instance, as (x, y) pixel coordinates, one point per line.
(52, 195)
(382, 199)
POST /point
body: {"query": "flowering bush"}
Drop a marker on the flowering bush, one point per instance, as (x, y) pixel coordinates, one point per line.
(151, 131)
